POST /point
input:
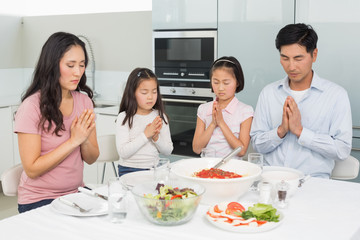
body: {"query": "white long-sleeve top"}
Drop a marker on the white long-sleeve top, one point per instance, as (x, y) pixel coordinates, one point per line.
(134, 148)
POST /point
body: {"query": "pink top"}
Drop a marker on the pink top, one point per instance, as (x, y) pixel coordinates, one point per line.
(68, 175)
(234, 114)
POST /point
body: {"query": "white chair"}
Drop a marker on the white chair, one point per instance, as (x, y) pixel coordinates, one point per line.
(108, 152)
(10, 180)
(346, 169)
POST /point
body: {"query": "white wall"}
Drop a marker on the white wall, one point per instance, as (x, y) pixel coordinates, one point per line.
(45, 7)
(121, 42)
(11, 74)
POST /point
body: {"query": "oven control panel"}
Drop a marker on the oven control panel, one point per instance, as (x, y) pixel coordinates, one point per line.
(182, 91)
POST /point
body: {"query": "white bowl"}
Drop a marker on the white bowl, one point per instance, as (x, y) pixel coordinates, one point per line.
(274, 175)
(218, 190)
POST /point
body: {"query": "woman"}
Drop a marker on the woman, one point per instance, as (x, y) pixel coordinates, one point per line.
(55, 124)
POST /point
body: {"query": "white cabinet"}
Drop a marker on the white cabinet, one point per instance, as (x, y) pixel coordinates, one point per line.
(6, 139)
(338, 29)
(184, 14)
(105, 124)
(16, 153)
(247, 31)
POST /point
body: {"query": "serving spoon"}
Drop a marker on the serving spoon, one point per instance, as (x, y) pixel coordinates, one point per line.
(228, 157)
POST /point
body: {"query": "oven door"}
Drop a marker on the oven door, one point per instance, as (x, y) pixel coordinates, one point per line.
(184, 49)
(182, 115)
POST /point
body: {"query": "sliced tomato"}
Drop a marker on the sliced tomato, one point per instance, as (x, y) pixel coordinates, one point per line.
(234, 207)
(216, 209)
(259, 222)
(176, 196)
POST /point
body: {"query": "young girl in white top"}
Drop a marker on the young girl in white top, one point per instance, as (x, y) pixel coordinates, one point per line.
(142, 129)
(223, 124)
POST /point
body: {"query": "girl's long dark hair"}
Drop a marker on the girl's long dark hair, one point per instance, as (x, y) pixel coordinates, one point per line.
(46, 79)
(128, 101)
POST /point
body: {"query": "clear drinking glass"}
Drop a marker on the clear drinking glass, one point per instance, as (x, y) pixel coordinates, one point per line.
(117, 201)
(258, 159)
(162, 169)
(208, 152)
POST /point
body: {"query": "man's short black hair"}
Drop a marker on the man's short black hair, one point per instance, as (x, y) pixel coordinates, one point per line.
(299, 33)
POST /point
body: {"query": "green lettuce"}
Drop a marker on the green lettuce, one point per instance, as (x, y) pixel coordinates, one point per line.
(262, 212)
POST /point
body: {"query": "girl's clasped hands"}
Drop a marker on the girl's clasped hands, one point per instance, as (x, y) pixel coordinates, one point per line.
(217, 116)
(153, 129)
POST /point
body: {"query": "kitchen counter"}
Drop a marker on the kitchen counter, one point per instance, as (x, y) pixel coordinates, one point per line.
(11, 100)
(113, 110)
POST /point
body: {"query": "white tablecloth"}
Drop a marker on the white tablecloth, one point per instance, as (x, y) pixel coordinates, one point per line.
(320, 209)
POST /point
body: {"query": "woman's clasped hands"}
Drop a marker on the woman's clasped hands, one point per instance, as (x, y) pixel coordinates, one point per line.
(82, 126)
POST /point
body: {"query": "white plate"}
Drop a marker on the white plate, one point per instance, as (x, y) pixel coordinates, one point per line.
(246, 229)
(97, 205)
(134, 178)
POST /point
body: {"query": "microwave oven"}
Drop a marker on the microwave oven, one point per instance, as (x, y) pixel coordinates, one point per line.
(184, 55)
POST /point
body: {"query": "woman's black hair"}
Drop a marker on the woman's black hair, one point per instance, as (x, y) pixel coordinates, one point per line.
(298, 33)
(46, 79)
(233, 64)
(128, 101)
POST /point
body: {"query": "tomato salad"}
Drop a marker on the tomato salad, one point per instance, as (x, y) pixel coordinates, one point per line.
(235, 214)
(216, 173)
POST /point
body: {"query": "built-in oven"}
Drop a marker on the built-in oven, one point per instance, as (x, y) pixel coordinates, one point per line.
(182, 60)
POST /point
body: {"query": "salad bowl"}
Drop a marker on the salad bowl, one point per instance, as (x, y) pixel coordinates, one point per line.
(218, 190)
(170, 203)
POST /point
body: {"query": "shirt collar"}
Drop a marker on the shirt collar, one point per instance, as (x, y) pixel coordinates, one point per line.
(315, 83)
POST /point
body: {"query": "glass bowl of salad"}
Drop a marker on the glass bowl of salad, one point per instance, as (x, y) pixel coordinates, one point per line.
(168, 203)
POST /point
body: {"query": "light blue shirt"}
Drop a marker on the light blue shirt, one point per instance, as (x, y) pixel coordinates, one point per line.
(327, 127)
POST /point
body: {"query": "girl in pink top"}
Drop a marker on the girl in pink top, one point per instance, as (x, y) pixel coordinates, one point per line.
(55, 124)
(223, 124)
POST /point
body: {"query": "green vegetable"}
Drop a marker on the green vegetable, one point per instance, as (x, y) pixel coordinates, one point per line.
(262, 212)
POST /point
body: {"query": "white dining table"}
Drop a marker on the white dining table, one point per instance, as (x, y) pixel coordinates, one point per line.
(320, 209)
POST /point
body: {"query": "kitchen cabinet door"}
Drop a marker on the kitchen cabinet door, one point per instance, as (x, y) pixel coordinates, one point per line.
(247, 30)
(6, 139)
(338, 29)
(105, 124)
(184, 14)
(16, 153)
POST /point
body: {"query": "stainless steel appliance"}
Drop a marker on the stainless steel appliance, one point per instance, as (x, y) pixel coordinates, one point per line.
(182, 60)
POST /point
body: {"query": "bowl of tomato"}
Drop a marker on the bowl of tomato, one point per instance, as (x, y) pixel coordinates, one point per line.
(224, 184)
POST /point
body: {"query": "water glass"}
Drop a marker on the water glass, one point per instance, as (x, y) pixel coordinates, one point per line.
(208, 152)
(162, 170)
(117, 201)
(258, 159)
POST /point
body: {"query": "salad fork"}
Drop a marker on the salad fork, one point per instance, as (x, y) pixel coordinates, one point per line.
(74, 205)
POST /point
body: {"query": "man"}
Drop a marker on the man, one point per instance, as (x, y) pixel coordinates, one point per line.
(302, 121)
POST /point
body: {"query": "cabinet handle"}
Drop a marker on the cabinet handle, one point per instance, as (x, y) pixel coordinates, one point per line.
(14, 113)
(183, 101)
